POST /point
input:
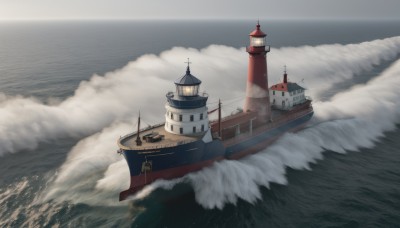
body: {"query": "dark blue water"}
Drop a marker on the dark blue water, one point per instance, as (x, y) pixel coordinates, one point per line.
(48, 60)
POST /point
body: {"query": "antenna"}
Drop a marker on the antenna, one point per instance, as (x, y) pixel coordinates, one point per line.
(188, 67)
(219, 119)
(138, 141)
(188, 62)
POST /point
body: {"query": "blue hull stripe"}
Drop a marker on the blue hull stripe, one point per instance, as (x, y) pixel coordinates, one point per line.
(198, 151)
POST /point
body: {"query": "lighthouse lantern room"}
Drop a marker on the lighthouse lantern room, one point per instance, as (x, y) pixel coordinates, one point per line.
(186, 110)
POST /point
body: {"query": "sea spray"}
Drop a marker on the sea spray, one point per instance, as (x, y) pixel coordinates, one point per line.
(228, 181)
(334, 128)
(118, 95)
(370, 118)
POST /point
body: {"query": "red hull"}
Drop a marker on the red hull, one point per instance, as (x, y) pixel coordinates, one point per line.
(141, 181)
(138, 182)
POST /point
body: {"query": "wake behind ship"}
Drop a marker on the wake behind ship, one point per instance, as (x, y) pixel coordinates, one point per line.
(188, 141)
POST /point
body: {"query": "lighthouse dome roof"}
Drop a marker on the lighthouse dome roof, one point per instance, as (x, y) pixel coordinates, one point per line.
(257, 32)
(187, 79)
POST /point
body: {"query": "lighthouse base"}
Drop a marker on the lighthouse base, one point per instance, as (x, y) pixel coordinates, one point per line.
(260, 106)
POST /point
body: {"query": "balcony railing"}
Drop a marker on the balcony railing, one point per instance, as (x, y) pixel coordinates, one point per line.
(258, 49)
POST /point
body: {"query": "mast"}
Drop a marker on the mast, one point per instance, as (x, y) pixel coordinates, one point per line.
(219, 119)
(138, 141)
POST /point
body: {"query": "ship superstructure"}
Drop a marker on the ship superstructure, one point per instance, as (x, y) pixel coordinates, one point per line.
(186, 110)
(188, 141)
(286, 95)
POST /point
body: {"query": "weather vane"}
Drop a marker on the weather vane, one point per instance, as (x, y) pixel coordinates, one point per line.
(188, 62)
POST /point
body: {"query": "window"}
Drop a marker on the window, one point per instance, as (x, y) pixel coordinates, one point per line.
(283, 94)
(194, 129)
(202, 127)
(172, 115)
(273, 101)
(181, 130)
(180, 118)
(187, 90)
(201, 116)
(172, 127)
(273, 92)
(191, 117)
(257, 41)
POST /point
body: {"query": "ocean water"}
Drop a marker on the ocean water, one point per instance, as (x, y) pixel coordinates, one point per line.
(68, 90)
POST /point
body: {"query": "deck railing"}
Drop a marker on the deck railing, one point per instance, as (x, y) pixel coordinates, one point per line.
(125, 137)
(141, 130)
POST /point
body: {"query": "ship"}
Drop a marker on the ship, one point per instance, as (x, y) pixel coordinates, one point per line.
(188, 141)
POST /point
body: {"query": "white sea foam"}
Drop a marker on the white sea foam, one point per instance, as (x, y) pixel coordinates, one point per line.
(93, 173)
(86, 164)
(350, 120)
(118, 95)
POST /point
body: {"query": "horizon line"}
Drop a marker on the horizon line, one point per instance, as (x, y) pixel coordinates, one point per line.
(199, 19)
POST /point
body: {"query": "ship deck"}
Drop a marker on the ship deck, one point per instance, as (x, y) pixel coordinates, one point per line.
(229, 126)
(128, 142)
(236, 128)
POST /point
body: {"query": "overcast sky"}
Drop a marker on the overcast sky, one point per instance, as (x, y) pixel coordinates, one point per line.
(199, 9)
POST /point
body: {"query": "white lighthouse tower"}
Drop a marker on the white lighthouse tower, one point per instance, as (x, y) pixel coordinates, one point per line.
(186, 110)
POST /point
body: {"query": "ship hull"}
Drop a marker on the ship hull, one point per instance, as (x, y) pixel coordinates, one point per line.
(147, 166)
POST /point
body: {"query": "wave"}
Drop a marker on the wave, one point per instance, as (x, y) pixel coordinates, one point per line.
(94, 174)
(350, 120)
(117, 96)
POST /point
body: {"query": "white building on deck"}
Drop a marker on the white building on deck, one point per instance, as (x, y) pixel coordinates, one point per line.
(286, 95)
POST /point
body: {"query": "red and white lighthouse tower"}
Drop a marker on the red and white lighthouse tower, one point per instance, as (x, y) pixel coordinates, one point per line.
(257, 94)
